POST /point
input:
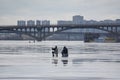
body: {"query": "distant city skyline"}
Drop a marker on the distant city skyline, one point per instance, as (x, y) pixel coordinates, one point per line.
(76, 20)
(53, 10)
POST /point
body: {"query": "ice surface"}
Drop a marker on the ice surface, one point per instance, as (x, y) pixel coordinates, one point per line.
(21, 60)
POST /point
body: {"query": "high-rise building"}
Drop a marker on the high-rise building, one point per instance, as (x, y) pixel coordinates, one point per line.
(30, 23)
(38, 22)
(45, 22)
(21, 23)
(77, 19)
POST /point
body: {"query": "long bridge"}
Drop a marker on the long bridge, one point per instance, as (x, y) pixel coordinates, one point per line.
(43, 31)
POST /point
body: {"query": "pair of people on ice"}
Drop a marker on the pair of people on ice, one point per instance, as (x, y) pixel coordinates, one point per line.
(64, 52)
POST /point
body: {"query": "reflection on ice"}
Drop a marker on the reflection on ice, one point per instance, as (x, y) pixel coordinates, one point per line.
(34, 61)
(65, 62)
(56, 61)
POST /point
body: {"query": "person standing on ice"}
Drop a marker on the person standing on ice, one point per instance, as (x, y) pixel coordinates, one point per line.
(55, 51)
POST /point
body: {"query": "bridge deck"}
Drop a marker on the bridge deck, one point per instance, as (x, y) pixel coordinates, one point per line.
(82, 25)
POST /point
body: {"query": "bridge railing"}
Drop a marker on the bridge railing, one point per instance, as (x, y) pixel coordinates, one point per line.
(66, 25)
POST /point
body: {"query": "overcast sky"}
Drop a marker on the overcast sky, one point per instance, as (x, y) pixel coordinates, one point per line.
(13, 10)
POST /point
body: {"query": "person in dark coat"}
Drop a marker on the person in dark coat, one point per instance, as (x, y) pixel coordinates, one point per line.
(55, 51)
(65, 52)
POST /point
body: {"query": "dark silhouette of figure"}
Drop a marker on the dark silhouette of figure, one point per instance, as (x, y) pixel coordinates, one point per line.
(55, 51)
(65, 52)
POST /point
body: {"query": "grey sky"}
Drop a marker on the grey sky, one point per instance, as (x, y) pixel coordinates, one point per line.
(13, 10)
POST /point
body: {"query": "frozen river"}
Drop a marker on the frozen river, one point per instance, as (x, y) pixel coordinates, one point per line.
(21, 60)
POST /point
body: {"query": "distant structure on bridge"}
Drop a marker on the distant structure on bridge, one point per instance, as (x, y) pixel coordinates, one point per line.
(33, 23)
(76, 20)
